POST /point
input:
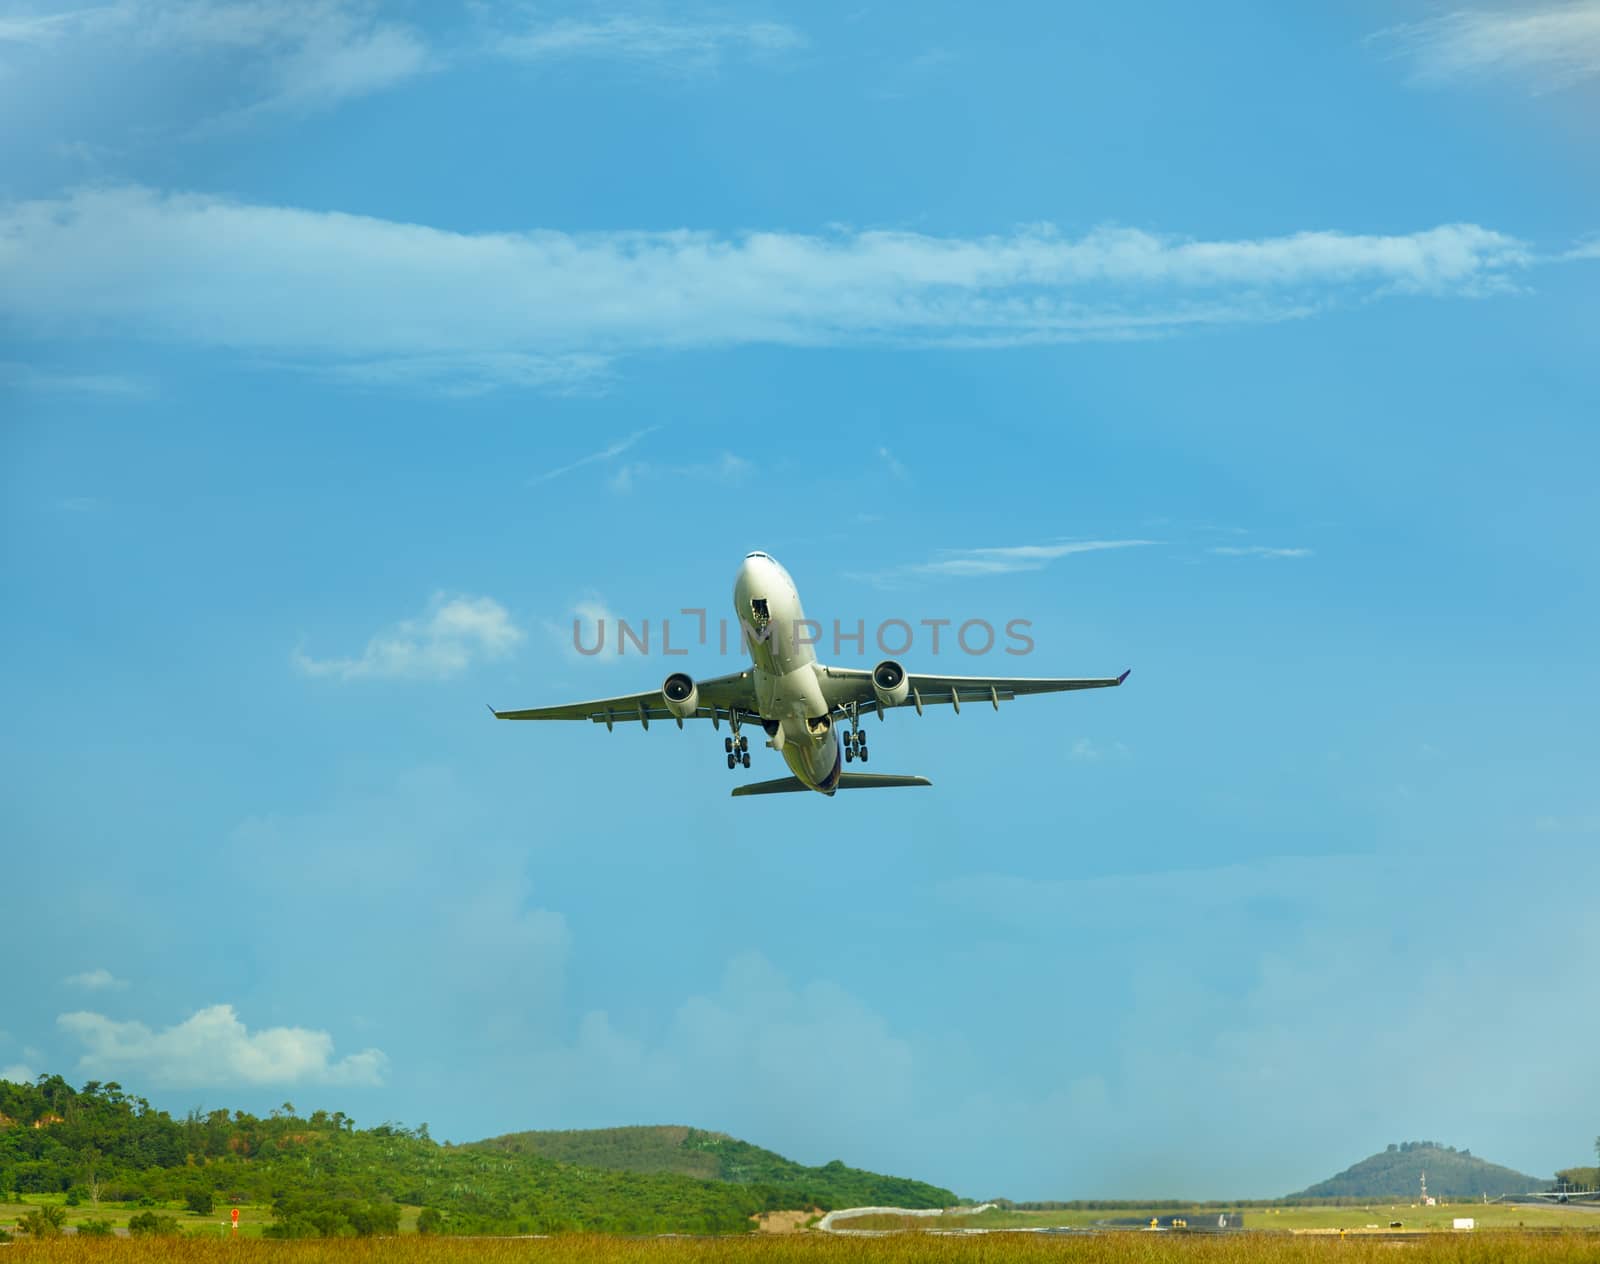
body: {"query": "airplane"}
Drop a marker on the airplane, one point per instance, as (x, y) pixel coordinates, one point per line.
(798, 702)
(1564, 1192)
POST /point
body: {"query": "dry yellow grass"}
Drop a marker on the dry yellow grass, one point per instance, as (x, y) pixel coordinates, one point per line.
(1120, 1248)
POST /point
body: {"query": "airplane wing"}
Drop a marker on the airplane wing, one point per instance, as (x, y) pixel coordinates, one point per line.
(719, 698)
(849, 686)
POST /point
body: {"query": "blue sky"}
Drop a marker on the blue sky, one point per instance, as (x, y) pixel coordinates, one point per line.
(349, 352)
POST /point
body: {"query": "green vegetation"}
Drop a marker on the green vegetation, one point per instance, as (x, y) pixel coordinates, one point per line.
(1582, 1177)
(1396, 1173)
(98, 1148)
(715, 1156)
(911, 1248)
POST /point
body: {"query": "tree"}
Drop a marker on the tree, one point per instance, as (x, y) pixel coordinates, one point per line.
(200, 1201)
(148, 1224)
(44, 1222)
(91, 1173)
(429, 1220)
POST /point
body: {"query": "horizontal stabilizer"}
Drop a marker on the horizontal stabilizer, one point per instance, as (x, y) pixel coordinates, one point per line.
(873, 780)
(847, 781)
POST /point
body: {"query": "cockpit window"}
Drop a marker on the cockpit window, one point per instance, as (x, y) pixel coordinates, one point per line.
(757, 554)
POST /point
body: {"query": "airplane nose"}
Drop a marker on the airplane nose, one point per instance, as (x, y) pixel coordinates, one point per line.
(754, 568)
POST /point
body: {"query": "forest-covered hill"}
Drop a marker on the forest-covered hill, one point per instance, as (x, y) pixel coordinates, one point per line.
(715, 1156)
(1396, 1174)
(322, 1174)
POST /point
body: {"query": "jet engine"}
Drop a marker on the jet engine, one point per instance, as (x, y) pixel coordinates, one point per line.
(889, 683)
(681, 695)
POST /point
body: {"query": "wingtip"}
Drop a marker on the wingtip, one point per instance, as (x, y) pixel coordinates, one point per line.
(492, 711)
(1124, 675)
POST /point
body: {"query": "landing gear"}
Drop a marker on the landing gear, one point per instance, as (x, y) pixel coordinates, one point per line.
(737, 749)
(855, 745)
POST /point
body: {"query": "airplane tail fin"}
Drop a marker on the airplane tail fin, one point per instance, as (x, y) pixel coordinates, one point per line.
(847, 781)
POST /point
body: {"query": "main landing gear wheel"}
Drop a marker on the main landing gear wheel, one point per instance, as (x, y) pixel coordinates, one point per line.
(732, 760)
(727, 745)
(745, 759)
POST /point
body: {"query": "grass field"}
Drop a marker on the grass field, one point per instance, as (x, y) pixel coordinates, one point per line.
(1278, 1219)
(1119, 1248)
(253, 1218)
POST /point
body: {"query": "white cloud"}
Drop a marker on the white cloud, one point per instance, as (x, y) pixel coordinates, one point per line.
(444, 643)
(28, 377)
(41, 29)
(590, 626)
(1004, 560)
(464, 375)
(610, 452)
(726, 468)
(1021, 557)
(1552, 46)
(1086, 750)
(893, 465)
(359, 295)
(1256, 550)
(18, 1074)
(291, 55)
(96, 980)
(212, 1046)
(738, 1051)
(635, 38)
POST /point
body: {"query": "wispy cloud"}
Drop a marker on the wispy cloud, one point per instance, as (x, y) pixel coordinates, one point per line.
(727, 469)
(295, 56)
(212, 1046)
(644, 39)
(610, 452)
(968, 563)
(40, 29)
(1551, 46)
(465, 375)
(16, 1073)
(1020, 557)
(350, 291)
(1086, 750)
(97, 980)
(455, 632)
(29, 377)
(893, 465)
(1256, 550)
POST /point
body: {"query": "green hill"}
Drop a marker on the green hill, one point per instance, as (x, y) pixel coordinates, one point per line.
(715, 1156)
(324, 1176)
(1396, 1175)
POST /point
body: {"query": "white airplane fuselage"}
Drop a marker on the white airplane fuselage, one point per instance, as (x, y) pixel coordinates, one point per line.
(788, 691)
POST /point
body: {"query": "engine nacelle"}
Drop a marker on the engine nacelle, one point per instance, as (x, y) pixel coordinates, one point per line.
(889, 683)
(682, 698)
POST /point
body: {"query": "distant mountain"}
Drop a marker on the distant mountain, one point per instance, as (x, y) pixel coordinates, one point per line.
(1396, 1175)
(715, 1156)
